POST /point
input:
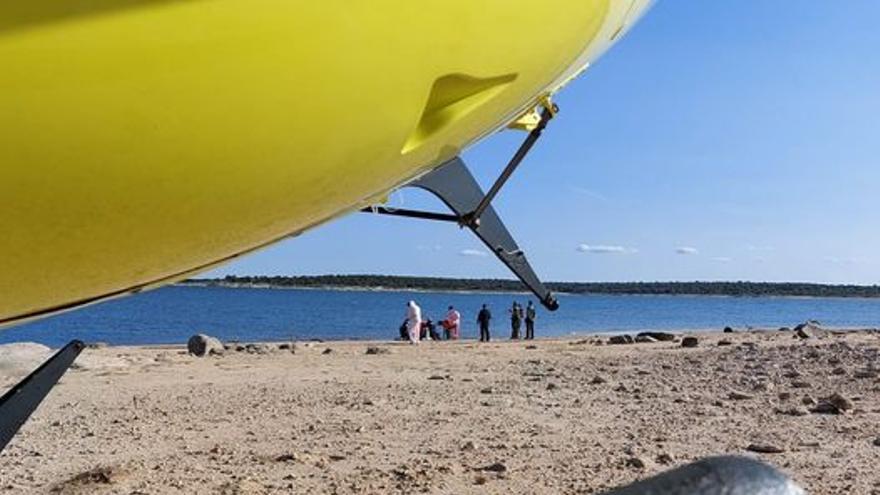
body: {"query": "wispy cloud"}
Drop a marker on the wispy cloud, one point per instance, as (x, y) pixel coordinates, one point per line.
(583, 191)
(836, 260)
(605, 249)
(722, 259)
(687, 250)
(475, 253)
(758, 249)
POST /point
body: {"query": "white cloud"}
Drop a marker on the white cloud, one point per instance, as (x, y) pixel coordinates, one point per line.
(722, 259)
(476, 253)
(603, 249)
(687, 250)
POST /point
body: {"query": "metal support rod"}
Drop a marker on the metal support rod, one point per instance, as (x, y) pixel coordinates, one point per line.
(400, 212)
(19, 402)
(473, 217)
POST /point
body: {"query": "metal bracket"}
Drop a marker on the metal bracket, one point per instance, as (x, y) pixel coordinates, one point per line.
(19, 402)
(453, 183)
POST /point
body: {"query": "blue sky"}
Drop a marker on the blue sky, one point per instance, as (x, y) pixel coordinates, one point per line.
(718, 141)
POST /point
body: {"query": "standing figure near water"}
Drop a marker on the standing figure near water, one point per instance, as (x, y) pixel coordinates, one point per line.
(515, 320)
(483, 318)
(452, 324)
(531, 315)
(414, 321)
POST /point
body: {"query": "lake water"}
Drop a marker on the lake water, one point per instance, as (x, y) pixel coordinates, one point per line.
(172, 314)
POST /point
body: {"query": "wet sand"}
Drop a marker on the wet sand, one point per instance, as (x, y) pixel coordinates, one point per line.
(549, 416)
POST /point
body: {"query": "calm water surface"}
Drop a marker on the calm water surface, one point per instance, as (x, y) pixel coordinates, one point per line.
(172, 314)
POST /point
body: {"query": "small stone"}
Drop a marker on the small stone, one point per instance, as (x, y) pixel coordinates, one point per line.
(808, 401)
(469, 446)
(327, 351)
(727, 330)
(784, 329)
(765, 449)
(722, 343)
(635, 462)
(374, 350)
(620, 339)
(598, 380)
(436, 377)
(552, 386)
(877, 442)
(801, 384)
(834, 404)
(838, 371)
(784, 395)
(487, 390)
(531, 347)
(689, 341)
(734, 395)
(496, 467)
(665, 459)
(480, 480)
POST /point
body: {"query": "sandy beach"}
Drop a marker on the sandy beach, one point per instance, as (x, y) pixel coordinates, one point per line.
(548, 416)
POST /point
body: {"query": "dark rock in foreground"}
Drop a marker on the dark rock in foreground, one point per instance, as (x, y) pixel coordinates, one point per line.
(689, 342)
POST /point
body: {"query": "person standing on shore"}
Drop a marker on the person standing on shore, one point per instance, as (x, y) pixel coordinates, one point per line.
(515, 320)
(452, 323)
(531, 314)
(483, 318)
(414, 321)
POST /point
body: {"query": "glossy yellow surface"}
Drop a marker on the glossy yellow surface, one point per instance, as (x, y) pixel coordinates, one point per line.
(142, 140)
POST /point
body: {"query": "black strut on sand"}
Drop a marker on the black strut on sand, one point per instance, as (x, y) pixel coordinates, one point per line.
(17, 404)
(454, 184)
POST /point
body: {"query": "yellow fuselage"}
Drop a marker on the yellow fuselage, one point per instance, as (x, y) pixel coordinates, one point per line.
(141, 141)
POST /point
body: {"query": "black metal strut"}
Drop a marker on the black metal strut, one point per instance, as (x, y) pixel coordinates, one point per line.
(453, 183)
(19, 402)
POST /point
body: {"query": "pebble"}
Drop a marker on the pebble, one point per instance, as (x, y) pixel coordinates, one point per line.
(877, 442)
(722, 343)
(765, 448)
(620, 339)
(598, 380)
(833, 404)
(497, 467)
(689, 341)
(734, 395)
(373, 350)
(635, 462)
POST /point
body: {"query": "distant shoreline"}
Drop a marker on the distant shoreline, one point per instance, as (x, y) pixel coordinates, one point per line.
(384, 283)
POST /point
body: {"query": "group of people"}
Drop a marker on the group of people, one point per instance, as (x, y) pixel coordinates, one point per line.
(415, 328)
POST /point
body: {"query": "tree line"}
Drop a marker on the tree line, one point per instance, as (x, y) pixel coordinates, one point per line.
(503, 285)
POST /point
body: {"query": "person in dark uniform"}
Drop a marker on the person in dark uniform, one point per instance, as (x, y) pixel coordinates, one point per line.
(515, 320)
(531, 314)
(483, 318)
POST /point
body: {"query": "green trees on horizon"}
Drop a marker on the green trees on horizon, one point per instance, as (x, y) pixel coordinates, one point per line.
(501, 285)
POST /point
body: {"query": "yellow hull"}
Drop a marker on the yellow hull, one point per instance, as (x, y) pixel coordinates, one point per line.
(143, 140)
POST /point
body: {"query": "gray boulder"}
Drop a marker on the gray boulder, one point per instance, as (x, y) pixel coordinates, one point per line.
(621, 339)
(202, 345)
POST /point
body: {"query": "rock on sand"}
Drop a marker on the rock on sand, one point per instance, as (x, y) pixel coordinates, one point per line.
(202, 345)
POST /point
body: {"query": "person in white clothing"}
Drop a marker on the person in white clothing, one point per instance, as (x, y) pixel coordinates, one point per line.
(414, 321)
